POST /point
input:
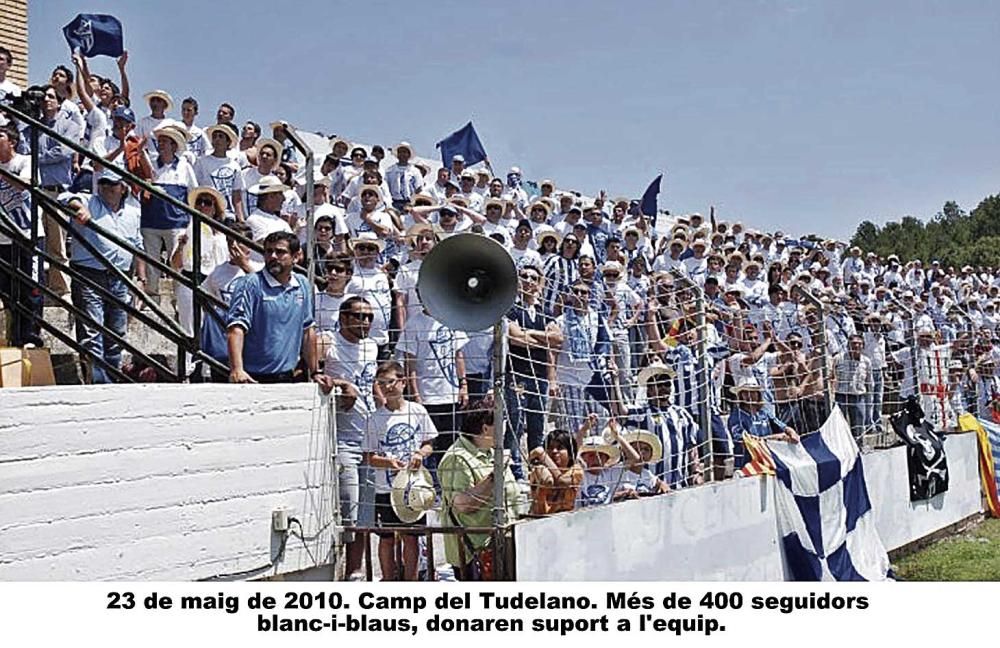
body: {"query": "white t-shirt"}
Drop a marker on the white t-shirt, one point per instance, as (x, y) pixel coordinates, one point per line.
(328, 311)
(373, 285)
(434, 347)
(397, 434)
(252, 176)
(222, 174)
(146, 126)
(526, 257)
(355, 363)
(599, 489)
(261, 224)
(13, 199)
(406, 282)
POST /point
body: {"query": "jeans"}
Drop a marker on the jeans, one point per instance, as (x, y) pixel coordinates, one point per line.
(16, 289)
(875, 399)
(853, 406)
(104, 311)
(526, 404)
(347, 473)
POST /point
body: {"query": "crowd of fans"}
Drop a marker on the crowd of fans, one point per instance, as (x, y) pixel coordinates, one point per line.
(642, 347)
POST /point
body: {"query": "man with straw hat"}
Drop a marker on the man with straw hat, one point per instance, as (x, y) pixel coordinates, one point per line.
(404, 179)
(219, 171)
(162, 222)
(749, 417)
(160, 103)
(266, 218)
(398, 440)
(679, 464)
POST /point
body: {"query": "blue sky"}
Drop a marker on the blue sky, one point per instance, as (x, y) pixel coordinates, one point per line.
(794, 114)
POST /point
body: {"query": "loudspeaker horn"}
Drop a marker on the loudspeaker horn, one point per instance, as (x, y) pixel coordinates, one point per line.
(467, 282)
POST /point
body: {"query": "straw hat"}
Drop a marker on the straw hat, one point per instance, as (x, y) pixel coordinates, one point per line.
(402, 145)
(268, 185)
(656, 368)
(369, 238)
(502, 204)
(175, 135)
(597, 444)
(228, 132)
(220, 201)
(641, 436)
(275, 144)
(160, 94)
(412, 494)
(542, 205)
(544, 233)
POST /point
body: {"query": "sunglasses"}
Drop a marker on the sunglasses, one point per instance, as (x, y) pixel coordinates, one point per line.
(581, 291)
(528, 277)
(611, 275)
(366, 248)
(366, 317)
(205, 202)
(324, 228)
(385, 382)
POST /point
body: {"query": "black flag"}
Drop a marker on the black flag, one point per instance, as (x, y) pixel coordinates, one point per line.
(925, 456)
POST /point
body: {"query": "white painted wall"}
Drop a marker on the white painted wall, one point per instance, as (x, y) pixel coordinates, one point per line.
(728, 531)
(725, 531)
(900, 521)
(160, 482)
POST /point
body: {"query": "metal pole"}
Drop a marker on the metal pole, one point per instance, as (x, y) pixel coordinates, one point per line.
(911, 341)
(338, 528)
(36, 260)
(195, 278)
(499, 432)
(307, 152)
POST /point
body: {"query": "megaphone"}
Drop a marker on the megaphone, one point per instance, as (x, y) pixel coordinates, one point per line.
(467, 282)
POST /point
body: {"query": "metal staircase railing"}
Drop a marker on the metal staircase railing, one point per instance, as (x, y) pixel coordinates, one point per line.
(157, 320)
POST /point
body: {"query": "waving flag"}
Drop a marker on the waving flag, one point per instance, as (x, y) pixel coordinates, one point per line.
(94, 35)
(648, 206)
(824, 514)
(988, 434)
(464, 142)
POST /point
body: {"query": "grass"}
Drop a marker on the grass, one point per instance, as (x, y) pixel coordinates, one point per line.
(972, 555)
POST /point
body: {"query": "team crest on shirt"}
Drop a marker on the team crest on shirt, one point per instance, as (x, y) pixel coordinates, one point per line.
(442, 346)
(595, 494)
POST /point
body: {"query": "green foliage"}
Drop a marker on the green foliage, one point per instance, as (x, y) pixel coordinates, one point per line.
(951, 236)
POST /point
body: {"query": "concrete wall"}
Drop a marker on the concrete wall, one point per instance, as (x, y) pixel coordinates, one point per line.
(160, 482)
(728, 531)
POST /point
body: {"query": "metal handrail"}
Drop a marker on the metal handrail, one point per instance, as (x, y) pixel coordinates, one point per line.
(172, 332)
(145, 184)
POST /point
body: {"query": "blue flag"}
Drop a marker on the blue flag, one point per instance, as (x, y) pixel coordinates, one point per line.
(648, 205)
(95, 34)
(464, 142)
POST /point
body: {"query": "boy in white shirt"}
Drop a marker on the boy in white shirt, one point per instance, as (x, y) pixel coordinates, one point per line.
(399, 437)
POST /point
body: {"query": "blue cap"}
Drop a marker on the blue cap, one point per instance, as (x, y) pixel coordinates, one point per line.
(124, 112)
(107, 175)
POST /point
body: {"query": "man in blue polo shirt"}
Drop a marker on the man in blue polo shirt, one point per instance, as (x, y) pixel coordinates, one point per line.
(271, 319)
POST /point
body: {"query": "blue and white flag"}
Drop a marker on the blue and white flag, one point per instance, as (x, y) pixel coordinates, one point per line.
(94, 35)
(825, 518)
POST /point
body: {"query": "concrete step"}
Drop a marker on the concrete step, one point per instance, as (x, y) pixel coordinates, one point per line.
(65, 362)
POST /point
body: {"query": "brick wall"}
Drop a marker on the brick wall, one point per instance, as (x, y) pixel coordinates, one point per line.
(14, 36)
(161, 482)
